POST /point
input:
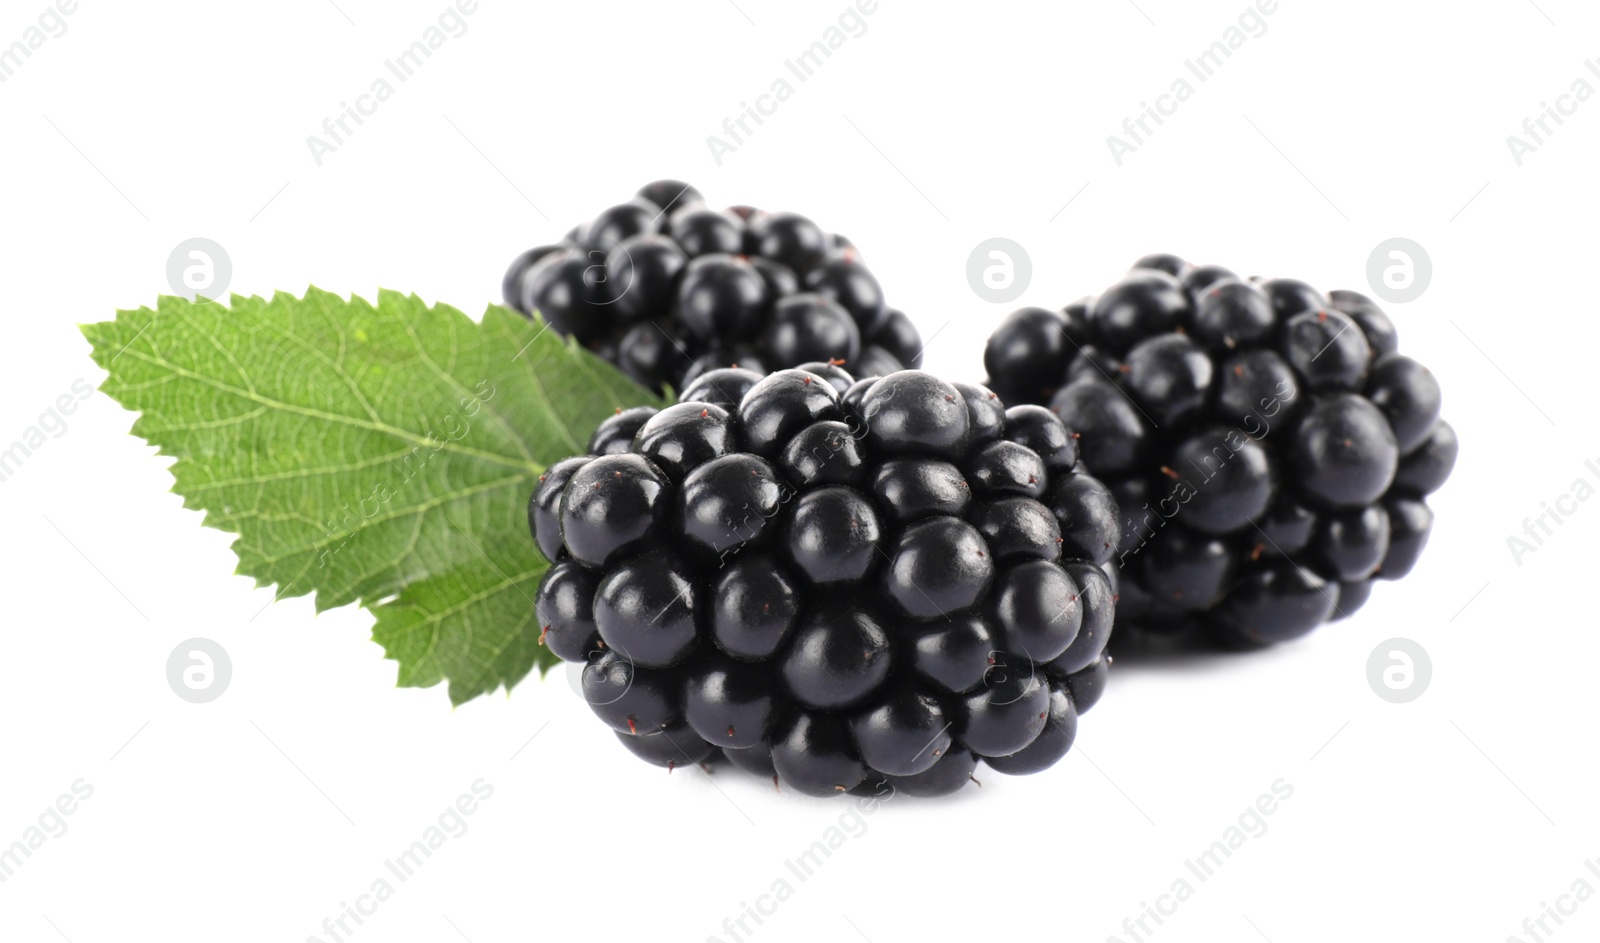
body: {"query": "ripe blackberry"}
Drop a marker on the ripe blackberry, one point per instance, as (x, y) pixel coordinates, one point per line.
(840, 583)
(1269, 446)
(668, 288)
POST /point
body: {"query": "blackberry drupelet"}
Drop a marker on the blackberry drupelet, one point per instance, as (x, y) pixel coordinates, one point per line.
(668, 288)
(1270, 448)
(843, 590)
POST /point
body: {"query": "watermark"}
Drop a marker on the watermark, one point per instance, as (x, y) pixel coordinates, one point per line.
(1399, 269)
(199, 670)
(1538, 929)
(736, 131)
(343, 525)
(51, 823)
(753, 521)
(1251, 824)
(1399, 670)
(52, 24)
(52, 424)
(613, 254)
(802, 867)
(1552, 515)
(450, 824)
(199, 267)
(999, 270)
(1185, 490)
(336, 131)
(1538, 129)
(1137, 131)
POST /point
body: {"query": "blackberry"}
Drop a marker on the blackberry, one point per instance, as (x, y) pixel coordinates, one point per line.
(843, 584)
(1270, 448)
(668, 289)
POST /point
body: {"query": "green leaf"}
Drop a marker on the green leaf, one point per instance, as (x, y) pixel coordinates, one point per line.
(380, 455)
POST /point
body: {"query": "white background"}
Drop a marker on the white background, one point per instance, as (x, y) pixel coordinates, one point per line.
(1454, 817)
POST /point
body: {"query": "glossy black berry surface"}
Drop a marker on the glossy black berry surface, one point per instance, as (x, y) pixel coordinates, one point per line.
(668, 289)
(849, 585)
(1269, 447)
